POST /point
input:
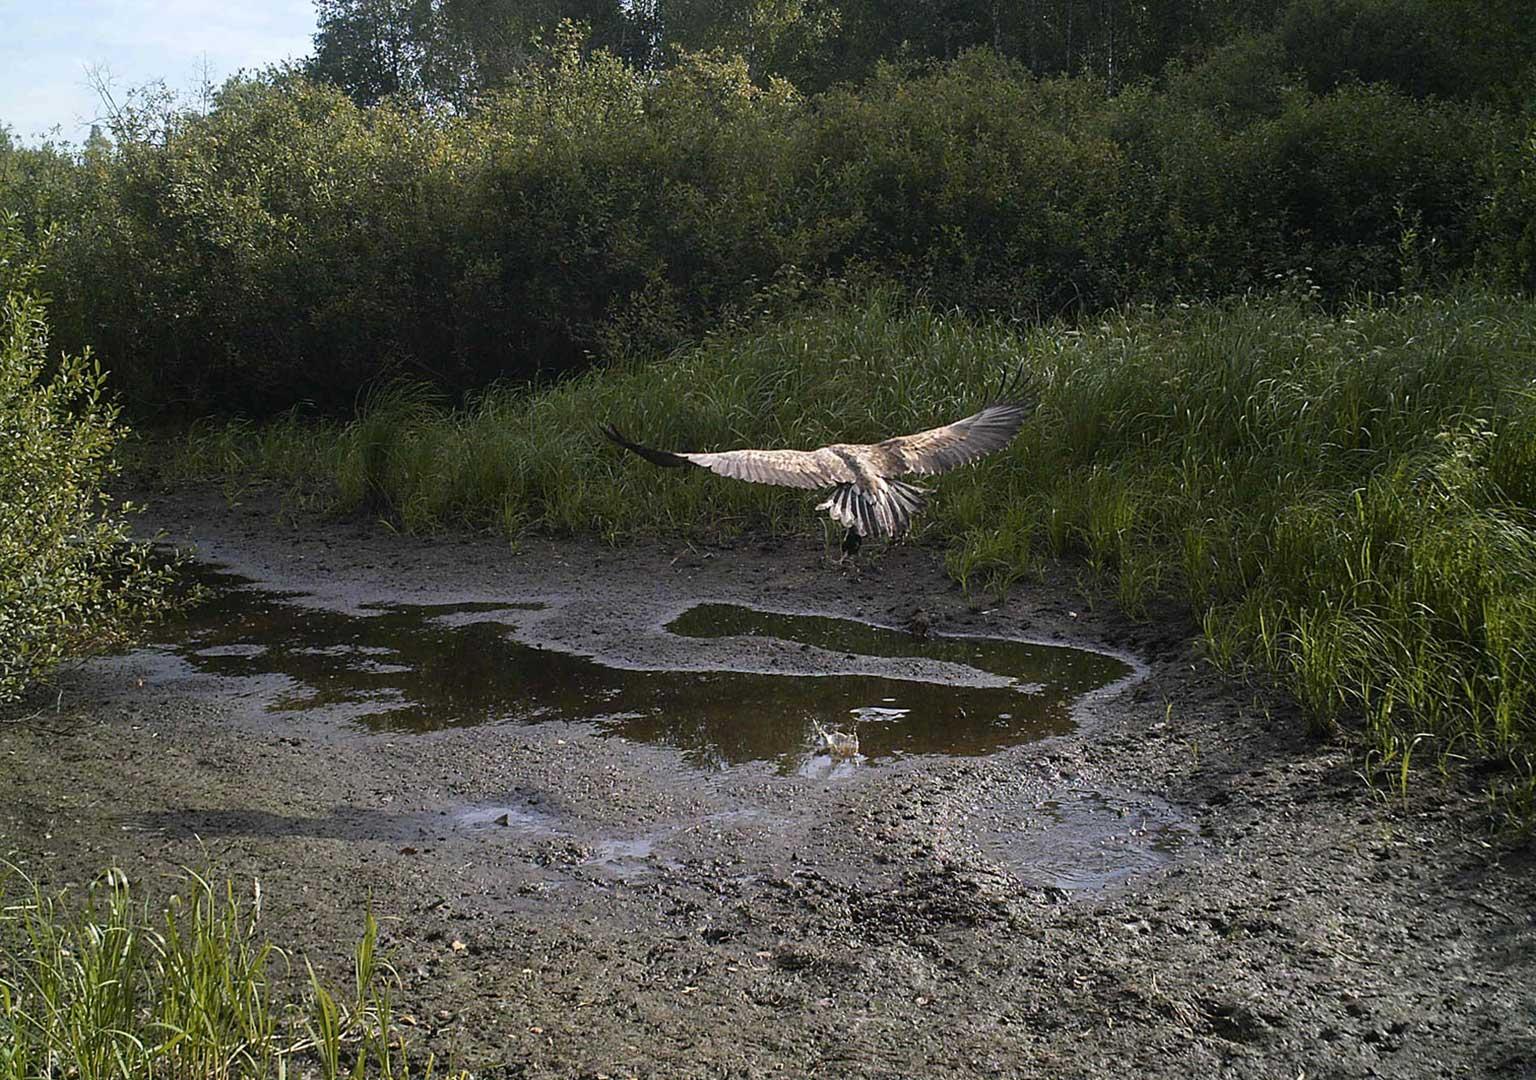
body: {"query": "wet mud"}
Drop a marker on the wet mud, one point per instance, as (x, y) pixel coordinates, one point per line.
(610, 811)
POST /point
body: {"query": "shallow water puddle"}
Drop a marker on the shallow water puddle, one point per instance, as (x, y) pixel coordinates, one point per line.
(398, 667)
(614, 856)
(1052, 670)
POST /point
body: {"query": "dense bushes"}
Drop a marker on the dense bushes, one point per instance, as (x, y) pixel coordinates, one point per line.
(1443, 48)
(1508, 217)
(291, 246)
(68, 579)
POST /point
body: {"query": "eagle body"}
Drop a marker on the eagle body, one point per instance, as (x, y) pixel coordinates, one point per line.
(867, 495)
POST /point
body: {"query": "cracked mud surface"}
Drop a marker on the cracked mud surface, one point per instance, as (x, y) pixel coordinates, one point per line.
(1168, 879)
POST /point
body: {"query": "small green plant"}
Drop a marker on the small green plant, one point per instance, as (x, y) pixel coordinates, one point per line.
(104, 987)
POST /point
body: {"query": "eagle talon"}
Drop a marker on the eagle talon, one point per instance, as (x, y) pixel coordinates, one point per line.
(851, 543)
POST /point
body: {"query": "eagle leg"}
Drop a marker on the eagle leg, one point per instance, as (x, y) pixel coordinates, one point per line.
(849, 559)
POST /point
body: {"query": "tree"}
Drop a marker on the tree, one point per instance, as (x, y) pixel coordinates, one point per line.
(373, 49)
(446, 52)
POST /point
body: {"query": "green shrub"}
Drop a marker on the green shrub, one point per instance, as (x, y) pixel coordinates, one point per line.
(1451, 49)
(1507, 219)
(289, 246)
(69, 580)
(1360, 190)
(1401, 42)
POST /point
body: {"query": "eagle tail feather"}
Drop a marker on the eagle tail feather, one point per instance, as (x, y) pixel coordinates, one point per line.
(887, 512)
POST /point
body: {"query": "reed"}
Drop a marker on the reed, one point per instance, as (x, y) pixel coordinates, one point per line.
(100, 986)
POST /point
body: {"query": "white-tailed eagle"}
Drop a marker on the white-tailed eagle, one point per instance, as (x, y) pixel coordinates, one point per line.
(866, 495)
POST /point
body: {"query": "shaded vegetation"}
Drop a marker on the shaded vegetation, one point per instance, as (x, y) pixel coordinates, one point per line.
(1344, 499)
(454, 52)
(288, 245)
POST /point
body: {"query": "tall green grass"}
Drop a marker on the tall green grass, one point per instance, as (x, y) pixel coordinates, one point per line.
(1344, 498)
(103, 988)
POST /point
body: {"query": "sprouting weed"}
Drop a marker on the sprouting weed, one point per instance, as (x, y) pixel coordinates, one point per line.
(105, 987)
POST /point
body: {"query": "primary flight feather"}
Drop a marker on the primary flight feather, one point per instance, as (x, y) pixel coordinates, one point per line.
(866, 495)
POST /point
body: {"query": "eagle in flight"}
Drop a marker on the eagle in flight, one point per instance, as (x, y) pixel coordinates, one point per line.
(866, 497)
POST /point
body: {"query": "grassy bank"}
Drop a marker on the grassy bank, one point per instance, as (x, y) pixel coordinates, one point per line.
(1344, 497)
(101, 986)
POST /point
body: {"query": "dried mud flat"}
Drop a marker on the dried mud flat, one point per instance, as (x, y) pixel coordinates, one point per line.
(1186, 885)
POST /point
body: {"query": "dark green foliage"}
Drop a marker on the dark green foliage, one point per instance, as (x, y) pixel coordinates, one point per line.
(1392, 41)
(454, 51)
(1507, 220)
(291, 246)
(451, 52)
(1361, 189)
(1443, 48)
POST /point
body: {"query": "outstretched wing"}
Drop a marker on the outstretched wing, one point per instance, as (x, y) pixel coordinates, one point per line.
(925, 453)
(940, 449)
(787, 468)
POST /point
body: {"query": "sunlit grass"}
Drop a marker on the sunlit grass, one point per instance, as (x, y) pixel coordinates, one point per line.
(1344, 498)
(100, 986)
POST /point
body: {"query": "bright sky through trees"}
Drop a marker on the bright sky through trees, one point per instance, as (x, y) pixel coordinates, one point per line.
(46, 49)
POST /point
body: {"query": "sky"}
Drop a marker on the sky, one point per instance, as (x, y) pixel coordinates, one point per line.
(47, 47)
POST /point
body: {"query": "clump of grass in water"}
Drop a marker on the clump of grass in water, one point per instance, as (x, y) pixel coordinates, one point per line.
(103, 988)
(1344, 499)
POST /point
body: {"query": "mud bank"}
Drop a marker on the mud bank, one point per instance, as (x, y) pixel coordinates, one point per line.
(1162, 878)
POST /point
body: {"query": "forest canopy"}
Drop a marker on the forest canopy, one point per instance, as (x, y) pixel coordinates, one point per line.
(451, 51)
(467, 191)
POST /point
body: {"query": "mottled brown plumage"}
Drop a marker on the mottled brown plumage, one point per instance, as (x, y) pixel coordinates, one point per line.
(866, 496)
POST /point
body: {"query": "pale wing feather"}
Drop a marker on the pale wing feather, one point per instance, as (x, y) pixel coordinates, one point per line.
(787, 468)
(940, 449)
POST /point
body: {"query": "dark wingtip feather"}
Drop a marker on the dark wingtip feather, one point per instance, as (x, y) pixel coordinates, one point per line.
(1016, 387)
(656, 457)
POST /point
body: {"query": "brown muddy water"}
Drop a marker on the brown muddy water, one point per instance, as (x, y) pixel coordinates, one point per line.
(386, 669)
(390, 667)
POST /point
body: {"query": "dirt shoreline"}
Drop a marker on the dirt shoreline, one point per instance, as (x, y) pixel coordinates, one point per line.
(743, 923)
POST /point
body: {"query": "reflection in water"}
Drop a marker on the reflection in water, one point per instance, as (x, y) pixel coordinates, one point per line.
(1064, 672)
(425, 667)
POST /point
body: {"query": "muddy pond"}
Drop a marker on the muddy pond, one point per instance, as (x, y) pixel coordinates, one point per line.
(806, 695)
(664, 812)
(423, 667)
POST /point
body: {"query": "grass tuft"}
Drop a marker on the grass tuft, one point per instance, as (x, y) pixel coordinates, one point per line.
(102, 988)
